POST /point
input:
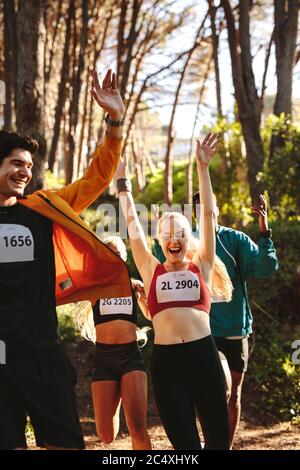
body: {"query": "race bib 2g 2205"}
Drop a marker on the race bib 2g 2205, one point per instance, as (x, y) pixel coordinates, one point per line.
(177, 286)
(116, 306)
(16, 243)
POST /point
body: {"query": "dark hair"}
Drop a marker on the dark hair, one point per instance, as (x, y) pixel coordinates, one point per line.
(196, 200)
(11, 140)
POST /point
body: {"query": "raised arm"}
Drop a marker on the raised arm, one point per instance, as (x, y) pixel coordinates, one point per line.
(207, 248)
(260, 260)
(97, 177)
(142, 255)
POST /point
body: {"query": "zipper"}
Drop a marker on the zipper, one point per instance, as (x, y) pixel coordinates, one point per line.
(226, 251)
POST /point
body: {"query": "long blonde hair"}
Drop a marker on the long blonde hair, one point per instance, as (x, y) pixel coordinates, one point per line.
(84, 320)
(221, 289)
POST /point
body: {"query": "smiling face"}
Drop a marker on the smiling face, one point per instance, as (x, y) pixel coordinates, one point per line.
(174, 236)
(15, 174)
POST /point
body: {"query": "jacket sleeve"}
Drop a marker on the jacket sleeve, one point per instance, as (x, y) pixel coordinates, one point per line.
(96, 178)
(158, 253)
(257, 260)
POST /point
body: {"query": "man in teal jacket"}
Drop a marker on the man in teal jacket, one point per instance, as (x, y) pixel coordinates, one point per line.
(231, 323)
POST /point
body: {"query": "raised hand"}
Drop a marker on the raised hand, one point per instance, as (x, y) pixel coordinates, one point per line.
(207, 149)
(262, 211)
(108, 96)
(139, 290)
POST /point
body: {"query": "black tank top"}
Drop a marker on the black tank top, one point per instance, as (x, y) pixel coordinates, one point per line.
(119, 308)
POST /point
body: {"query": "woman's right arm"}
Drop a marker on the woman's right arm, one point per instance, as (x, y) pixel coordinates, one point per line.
(143, 258)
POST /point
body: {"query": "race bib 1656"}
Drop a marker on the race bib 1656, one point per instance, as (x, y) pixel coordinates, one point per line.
(16, 243)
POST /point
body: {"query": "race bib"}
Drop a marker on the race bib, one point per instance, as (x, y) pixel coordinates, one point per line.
(116, 306)
(16, 243)
(177, 286)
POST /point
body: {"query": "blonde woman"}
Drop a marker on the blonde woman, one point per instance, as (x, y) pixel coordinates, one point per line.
(119, 372)
(186, 370)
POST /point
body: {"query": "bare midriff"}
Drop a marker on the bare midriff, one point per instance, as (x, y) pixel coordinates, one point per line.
(116, 332)
(180, 325)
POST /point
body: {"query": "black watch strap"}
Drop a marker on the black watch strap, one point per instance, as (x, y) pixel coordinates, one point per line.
(110, 122)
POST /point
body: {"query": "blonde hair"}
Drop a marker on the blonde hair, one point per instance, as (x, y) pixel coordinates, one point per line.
(178, 215)
(85, 323)
(222, 288)
(116, 242)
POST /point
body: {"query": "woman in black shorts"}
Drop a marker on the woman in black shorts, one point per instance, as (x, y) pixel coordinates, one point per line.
(119, 373)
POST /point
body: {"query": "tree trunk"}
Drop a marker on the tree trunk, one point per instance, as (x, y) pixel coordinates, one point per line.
(286, 25)
(76, 86)
(62, 88)
(248, 102)
(10, 60)
(285, 35)
(215, 45)
(126, 44)
(30, 101)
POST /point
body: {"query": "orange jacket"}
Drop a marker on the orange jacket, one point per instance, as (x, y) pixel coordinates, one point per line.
(86, 269)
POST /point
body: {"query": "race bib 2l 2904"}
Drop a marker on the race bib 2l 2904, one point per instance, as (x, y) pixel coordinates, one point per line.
(177, 286)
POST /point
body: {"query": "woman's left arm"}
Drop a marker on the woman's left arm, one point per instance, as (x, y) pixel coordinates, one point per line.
(207, 248)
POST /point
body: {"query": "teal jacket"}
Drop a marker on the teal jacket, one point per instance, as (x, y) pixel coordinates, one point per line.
(243, 259)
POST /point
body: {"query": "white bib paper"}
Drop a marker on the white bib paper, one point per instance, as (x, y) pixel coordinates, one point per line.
(16, 243)
(116, 306)
(177, 286)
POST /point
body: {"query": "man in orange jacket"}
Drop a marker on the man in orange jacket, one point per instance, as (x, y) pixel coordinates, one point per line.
(48, 256)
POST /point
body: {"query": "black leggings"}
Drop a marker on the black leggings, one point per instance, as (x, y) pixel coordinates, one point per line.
(189, 378)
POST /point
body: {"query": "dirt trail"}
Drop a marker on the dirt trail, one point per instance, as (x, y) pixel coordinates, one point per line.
(281, 436)
(250, 435)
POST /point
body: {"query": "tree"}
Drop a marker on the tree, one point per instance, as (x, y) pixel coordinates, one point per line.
(30, 102)
(286, 14)
(215, 44)
(248, 101)
(10, 60)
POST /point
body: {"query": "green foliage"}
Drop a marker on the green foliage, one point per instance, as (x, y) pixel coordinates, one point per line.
(282, 169)
(282, 290)
(273, 382)
(52, 182)
(66, 326)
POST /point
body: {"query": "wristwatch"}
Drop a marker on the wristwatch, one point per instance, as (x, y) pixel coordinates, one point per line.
(266, 234)
(110, 122)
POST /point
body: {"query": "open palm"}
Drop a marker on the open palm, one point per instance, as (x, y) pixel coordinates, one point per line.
(207, 149)
(108, 96)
